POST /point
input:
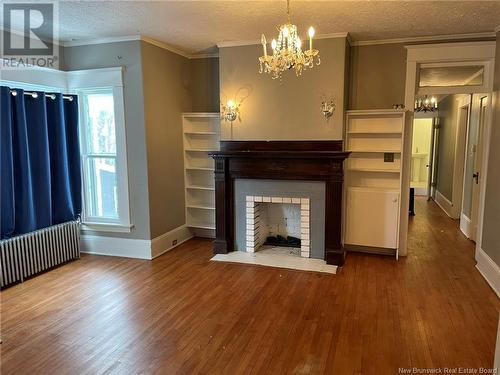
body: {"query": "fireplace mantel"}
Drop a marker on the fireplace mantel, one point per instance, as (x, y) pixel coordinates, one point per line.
(280, 160)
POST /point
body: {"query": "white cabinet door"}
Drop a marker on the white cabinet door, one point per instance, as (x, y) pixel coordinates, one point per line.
(372, 217)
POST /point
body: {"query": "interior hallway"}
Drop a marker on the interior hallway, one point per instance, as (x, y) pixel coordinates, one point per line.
(183, 314)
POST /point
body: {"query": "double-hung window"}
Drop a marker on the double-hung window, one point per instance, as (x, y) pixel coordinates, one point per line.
(103, 150)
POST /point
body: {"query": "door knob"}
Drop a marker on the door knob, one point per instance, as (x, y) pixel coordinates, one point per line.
(476, 177)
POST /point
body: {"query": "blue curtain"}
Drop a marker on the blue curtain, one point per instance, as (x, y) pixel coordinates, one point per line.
(40, 162)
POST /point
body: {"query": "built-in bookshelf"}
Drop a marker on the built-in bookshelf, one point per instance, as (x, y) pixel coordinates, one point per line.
(201, 134)
(373, 179)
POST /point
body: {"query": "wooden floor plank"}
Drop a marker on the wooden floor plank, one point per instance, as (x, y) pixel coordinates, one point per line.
(182, 314)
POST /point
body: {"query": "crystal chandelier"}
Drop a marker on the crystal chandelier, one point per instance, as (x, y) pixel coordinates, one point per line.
(426, 104)
(287, 51)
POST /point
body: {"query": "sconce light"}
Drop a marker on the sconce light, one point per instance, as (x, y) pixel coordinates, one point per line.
(230, 111)
(327, 108)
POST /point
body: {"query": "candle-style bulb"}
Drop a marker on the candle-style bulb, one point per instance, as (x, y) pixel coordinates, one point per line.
(273, 44)
(310, 32)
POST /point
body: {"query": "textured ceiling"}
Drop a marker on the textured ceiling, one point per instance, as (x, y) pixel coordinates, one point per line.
(197, 26)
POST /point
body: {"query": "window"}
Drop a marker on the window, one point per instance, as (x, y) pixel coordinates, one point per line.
(100, 156)
(102, 132)
(102, 135)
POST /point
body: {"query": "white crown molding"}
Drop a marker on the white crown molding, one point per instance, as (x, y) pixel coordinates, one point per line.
(89, 42)
(204, 55)
(240, 43)
(165, 46)
(425, 39)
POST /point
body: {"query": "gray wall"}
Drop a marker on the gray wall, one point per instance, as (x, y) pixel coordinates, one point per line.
(204, 85)
(128, 55)
(275, 188)
(377, 76)
(286, 110)
(166, 79)
(491, 220)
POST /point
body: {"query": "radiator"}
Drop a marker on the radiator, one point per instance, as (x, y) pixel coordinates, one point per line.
(26, 255)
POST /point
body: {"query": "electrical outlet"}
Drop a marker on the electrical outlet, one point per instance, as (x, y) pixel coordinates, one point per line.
(174, 242)
(388, 157)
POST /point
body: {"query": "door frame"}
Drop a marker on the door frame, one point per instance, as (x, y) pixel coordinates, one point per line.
(460, 158)
(445, 53)
(482, 116)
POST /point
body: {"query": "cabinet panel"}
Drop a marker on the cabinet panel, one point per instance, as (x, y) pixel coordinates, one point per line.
(372, 217)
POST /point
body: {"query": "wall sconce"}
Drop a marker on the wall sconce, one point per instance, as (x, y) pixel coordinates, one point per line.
(230, 111)
(327, 108)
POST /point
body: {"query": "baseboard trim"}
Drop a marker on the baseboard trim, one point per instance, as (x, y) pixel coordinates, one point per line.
(445, 204)
(165, 242)
(370, 250)
(465, 225)
(134, 248)
(115, 246)
(488, 269)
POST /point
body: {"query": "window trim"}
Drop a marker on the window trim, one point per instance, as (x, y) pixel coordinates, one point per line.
(84, 82)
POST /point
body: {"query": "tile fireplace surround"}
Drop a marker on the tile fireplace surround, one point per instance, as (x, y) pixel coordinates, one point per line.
(255, 235)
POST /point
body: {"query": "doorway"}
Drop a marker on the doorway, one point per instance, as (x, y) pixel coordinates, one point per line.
(421, 155)
(448, 69)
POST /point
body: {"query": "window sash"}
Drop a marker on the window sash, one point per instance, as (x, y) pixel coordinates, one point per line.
(122, 194)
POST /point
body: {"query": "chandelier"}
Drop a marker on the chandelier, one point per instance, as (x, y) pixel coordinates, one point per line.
(426, 104)
(287, 51)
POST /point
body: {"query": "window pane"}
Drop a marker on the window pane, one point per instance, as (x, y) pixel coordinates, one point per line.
(100, 123)
(446, 76)
(103, 201)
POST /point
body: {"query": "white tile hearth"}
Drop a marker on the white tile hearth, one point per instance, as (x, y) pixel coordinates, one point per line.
(277, 257)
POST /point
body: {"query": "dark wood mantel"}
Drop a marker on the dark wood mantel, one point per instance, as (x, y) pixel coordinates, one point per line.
(280, 160)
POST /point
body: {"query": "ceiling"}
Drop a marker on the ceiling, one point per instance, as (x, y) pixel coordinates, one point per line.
(197, 26)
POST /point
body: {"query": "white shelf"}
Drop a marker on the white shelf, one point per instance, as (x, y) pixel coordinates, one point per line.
(201, 225)
(199, 187)
(201, 135)
(199, 169)
(201, 114)
(198, 207)
(373, 170)
(373, 186)
(374, 132)
(375, 151)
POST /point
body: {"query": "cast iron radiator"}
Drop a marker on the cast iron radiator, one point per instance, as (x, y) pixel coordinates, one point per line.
(34, 252)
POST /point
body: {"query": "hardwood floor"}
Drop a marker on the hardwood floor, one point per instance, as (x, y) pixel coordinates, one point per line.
(182, 314)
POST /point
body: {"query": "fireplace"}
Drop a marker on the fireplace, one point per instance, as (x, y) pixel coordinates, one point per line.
(278, 222)
(320, 161)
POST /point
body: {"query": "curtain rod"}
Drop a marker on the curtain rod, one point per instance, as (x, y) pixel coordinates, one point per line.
(35, 95)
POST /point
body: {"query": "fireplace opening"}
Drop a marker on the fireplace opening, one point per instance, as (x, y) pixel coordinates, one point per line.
(274, 224)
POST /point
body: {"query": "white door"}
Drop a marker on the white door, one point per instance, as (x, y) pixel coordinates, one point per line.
(478, 153)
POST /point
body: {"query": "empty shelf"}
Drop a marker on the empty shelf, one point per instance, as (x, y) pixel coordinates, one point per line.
(199, 207)
(199, 187)
(199, 168)
(373, 170)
